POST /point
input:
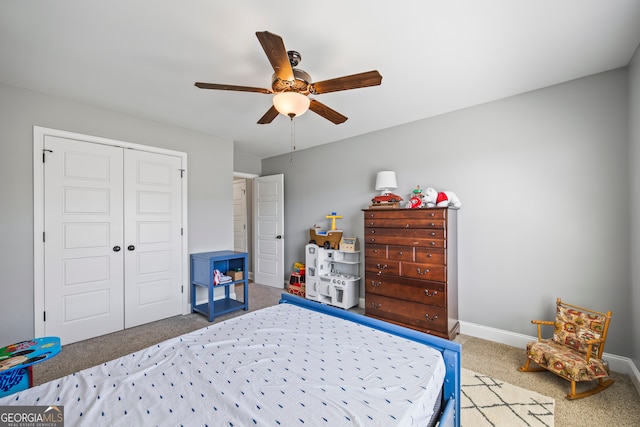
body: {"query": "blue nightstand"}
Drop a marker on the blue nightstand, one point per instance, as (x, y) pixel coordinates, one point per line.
(202, 268)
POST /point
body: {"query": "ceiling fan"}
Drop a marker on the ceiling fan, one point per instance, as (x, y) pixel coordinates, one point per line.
(291, 86)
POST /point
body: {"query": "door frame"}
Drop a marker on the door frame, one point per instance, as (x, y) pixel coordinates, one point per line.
(39, 134)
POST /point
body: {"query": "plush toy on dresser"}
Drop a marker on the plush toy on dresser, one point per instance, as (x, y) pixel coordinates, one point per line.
(440, 199)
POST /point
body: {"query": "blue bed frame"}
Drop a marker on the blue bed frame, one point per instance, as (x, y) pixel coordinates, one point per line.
(450, 350)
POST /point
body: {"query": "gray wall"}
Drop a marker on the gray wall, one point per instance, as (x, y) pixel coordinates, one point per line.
(543, 179)
(246, 163)
(634, 161)
(210, 189)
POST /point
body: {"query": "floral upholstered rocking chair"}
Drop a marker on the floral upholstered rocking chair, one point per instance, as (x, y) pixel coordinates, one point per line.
(575, 351)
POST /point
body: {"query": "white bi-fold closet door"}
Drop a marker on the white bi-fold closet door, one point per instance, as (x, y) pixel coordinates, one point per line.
(112, 238)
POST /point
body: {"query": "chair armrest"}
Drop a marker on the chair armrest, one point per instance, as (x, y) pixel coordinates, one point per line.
(590, 344)
(542, 322)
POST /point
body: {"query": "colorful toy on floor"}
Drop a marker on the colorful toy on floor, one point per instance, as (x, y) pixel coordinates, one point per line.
(17, 359)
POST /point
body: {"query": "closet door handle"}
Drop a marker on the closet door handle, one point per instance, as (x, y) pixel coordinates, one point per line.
(131, 247)
(116, 249)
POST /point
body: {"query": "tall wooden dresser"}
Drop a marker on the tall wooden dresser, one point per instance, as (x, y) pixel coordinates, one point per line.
(411, 268)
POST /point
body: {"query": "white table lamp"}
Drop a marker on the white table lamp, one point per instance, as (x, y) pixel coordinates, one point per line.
(386, 182)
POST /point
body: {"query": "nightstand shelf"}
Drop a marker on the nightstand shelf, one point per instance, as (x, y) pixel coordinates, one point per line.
(202, 268)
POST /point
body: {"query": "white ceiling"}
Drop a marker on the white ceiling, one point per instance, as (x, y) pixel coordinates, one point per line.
(142, 57)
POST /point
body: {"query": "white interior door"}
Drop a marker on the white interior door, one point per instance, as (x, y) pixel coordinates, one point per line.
(268, 196)
(83, 240)
(240, 215)
(152, 242)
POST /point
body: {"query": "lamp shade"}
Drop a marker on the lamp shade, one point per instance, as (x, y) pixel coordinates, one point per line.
(386, 181)
(292, 104)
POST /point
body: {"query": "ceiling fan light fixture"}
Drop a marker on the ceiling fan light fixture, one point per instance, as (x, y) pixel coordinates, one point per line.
(291, 104)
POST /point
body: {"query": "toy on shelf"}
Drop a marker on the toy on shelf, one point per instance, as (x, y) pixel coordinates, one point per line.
(388, 201)
(333, 218)
(219, 278)
(349, 244)
(328, 239)
(415, 201)
(440, 199)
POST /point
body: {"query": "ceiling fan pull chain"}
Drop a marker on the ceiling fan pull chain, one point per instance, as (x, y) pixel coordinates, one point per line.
(293, 137)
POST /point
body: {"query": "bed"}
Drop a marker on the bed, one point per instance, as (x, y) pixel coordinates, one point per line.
(297, 363)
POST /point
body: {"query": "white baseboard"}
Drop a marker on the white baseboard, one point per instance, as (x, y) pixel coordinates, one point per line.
(617, 363)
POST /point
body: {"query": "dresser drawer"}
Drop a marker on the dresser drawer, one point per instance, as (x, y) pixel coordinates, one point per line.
(408, 241)
(405, 223)
(375, 251)
(421, 291)
(382, 266)
(421, 316)
(401, 253)
(405, 215)
(405, 232)
(417, 270)
(431, 256)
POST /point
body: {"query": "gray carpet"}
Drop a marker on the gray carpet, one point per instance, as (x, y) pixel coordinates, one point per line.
(619, 405)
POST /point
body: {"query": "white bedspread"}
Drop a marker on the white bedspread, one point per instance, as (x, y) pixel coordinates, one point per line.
(279, 366)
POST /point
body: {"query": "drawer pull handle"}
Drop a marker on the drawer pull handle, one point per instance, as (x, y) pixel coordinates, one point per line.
(433, 224)
(407, 226)
(381, 267)
(371, 224)
(429, 255)
(432, 234)
(375, 251)
(375, 284)
(372, 240)
(376, 306)
(431, 319)
(400, 253)
(432, 294)
(373, 231)
(420, 271)
(432, 214)
(432, 243)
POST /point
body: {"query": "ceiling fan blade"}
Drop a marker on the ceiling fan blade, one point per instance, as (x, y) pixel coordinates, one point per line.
(273, 46)
(354, 81)
(232, 87)
(268, 117)
(326, 112)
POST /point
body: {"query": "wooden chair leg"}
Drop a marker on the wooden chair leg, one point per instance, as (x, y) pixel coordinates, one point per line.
(527, 368)
(602, 384)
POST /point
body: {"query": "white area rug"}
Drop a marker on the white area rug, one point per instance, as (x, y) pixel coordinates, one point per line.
(489, 402)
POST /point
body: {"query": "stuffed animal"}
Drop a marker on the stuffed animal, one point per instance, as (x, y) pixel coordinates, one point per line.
(433, 198)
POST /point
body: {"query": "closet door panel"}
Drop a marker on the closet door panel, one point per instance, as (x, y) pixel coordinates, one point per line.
(152, 212)
(83, 224)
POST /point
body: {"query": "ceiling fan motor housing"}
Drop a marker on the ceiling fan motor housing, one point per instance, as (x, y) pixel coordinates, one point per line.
(300, 84)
